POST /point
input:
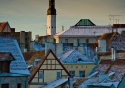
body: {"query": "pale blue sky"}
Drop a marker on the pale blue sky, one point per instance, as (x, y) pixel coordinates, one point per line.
(30, 15)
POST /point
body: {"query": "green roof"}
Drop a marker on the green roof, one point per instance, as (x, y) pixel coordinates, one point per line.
(85, 22)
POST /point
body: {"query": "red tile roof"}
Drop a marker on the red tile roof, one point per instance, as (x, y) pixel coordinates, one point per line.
(113, 40)
(108, 37)
(28, 55)
(79, 81)
(2, 26)
(108, 66)
(31, 56)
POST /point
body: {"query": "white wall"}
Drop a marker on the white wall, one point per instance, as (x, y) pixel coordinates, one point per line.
(51, 24)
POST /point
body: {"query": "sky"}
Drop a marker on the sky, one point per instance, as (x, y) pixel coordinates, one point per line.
(31, 15)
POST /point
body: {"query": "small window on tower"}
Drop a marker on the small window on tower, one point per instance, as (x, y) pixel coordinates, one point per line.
(52, 26)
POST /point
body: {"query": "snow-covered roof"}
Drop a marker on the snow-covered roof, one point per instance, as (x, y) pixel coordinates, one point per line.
(93, 74)
(10, 45)
(113, 39)
(106, 84)
(38, 47)
(116, 69)
(56, 83)
(73, 56)
(82, 31)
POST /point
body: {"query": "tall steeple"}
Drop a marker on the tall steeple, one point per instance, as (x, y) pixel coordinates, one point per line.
(51, 10)
(51, 18)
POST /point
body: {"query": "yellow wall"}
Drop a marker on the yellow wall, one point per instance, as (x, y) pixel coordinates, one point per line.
(50, 73)
(81, 67)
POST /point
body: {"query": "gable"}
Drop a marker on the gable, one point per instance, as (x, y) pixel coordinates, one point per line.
(2, 26)
(49, 65)
(117, 41)
(85, 22)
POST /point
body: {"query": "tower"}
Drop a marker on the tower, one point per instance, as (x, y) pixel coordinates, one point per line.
(51, 18)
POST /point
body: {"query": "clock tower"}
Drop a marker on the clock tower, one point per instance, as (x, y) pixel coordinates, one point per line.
(51, 18)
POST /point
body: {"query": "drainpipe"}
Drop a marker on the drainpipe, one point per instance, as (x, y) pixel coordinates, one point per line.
(70, 82)
(113, 53)
(112, 49)
(26, 83)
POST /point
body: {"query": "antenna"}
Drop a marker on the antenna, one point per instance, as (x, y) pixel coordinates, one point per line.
(112, 17)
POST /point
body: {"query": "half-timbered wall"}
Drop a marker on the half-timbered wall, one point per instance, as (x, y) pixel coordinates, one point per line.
(50, 67)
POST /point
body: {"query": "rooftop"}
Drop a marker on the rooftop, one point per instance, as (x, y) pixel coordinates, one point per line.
(85, 22)
(4, 56)
(73, 56)
(114, 70)
(18, 66)
(2, 25)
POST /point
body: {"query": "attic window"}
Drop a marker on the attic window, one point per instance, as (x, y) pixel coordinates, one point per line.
(79, 59)
(36, 61)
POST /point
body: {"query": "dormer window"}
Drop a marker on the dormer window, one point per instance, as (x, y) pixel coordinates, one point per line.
(36, 61)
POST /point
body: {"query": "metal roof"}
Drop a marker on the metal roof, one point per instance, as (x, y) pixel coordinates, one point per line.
(18, 66)
(87, 31)
(85, 22)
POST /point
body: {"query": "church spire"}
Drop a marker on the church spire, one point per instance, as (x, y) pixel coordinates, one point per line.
(51, 10)
(51, 18)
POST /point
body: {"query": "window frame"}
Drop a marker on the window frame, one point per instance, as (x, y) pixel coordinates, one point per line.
(40, 75)
(66, 40)
(58, 76)
(19, 85)
(72, 73)
(81, 73)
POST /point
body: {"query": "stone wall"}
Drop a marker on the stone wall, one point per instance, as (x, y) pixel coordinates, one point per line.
(13, 81)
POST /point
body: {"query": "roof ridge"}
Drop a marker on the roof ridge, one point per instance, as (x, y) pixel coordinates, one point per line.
(114, 33)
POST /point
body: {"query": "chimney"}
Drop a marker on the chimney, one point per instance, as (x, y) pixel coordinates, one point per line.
(62, 28)
(70, 79)
(12, 29)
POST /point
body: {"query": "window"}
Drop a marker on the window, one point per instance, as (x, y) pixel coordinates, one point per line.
(72, 73)
(36, 61)
(66, 40)
(87, 40)
(19, 85)
(78, 41)
(5, 86)
(41, 75)
(81, 73)
(54, 40)
(58, 75)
